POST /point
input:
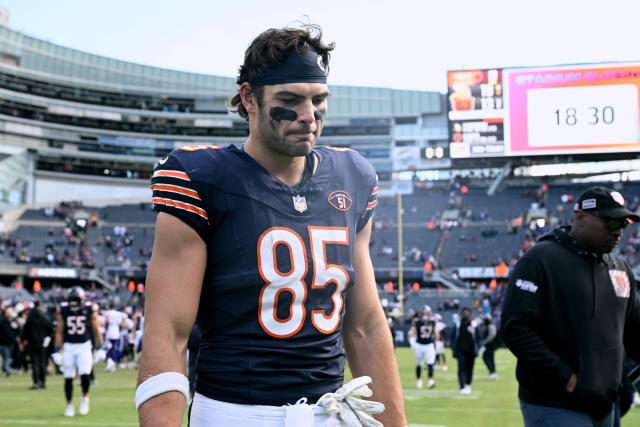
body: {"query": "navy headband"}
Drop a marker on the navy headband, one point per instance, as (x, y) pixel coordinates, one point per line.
(297, 68)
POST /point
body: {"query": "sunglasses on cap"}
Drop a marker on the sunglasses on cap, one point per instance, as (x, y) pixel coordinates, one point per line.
(612, 223)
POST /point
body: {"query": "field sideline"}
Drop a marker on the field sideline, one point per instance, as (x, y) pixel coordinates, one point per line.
(491, 404)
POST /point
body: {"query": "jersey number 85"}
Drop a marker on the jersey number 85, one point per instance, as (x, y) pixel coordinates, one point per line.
(293, 280)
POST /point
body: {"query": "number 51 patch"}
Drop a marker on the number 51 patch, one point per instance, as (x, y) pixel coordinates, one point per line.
(620, 282)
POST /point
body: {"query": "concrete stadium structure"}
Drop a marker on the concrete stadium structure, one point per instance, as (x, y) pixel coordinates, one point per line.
(78, 126)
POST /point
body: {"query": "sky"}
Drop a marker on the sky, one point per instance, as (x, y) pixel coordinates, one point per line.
(399, 44)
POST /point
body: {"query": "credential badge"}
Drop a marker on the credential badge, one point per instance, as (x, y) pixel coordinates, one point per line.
(299, 203)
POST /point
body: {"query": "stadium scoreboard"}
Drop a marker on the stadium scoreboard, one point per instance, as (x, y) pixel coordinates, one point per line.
(578, 109)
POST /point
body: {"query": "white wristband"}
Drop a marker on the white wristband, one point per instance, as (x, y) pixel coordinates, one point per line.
(162, 383)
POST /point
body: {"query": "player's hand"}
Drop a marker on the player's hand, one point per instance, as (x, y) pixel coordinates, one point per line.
(352, 411)
(571, 384)
(99, 356)
(412, 343)
(57, 358)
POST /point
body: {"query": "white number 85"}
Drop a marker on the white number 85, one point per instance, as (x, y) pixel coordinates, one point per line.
(293, 280)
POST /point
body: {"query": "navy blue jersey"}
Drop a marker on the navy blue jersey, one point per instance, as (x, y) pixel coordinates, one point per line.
(425, 331)
(77, 324)
(279, 264)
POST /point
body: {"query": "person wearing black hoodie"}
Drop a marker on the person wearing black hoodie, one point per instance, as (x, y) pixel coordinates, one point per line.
(36, 330)
(571, 310)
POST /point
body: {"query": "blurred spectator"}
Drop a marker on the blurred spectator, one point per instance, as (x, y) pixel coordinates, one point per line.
(9, 329)
(36, 335)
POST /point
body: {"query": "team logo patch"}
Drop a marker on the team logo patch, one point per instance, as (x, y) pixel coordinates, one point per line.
(617, 197)
(340, 200)
(526, 285)
(620, 282)
(299, 203)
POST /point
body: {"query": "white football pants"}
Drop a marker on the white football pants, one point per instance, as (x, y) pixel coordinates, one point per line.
(77, 356)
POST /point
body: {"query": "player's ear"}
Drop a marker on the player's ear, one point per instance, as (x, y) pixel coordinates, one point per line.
(248, 98)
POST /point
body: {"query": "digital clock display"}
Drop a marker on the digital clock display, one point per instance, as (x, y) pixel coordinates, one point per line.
(587, 115)
(572, 109)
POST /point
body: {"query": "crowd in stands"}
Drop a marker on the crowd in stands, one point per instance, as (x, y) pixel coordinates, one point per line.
(444, 226)
(451, 226)
(89, 240)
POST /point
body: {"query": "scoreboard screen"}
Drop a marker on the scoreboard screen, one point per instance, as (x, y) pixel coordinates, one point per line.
(577, 109)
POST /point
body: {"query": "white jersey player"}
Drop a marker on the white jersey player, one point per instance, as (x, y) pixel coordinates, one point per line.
(115, 320)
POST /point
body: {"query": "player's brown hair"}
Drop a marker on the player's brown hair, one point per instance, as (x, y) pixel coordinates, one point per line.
(271, 48)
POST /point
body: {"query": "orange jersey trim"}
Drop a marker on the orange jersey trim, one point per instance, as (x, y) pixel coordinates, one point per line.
(176, 189)
(171, 174)
(199, 147)
(339, 148)
(181, 205)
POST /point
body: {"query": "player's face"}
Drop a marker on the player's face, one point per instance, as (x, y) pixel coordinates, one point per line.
(291, 117)
(602, 235)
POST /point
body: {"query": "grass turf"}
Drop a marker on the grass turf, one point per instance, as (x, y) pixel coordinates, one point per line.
(492, 403)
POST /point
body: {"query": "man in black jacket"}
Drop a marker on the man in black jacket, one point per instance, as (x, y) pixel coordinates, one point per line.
(36, 329)
(570, 312)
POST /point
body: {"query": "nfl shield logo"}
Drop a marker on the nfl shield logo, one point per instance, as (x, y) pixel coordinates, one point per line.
(300, 203)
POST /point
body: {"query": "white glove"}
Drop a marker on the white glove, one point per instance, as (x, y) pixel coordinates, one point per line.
(352, 411)
(99, 356)
(57, 358)
(482, 349)
(412, 343)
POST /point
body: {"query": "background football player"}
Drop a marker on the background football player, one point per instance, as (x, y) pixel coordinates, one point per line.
(77, 324)
(424, 332)
(115, 321)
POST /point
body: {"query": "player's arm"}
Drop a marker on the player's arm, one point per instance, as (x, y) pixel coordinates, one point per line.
(367, 338)
(95, 329)
(174, 282)
(59, 335)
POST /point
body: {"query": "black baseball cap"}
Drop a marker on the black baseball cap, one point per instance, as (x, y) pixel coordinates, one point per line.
(607, 202)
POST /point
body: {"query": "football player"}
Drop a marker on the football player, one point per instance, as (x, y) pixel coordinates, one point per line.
(269, 245)
(441, 328)
(138, 327)
(425, 334)
(77, 323)
(115, 321)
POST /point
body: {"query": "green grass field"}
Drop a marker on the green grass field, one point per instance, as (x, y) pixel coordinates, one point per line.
(492, 403)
